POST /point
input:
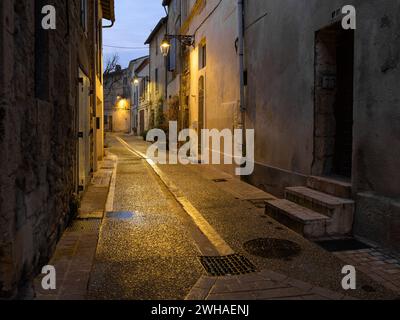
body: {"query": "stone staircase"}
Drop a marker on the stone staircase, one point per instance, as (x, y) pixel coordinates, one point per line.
(321, 209)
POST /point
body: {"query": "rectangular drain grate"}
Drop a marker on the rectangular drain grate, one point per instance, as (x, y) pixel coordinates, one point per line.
(86, 225)
(231, 265)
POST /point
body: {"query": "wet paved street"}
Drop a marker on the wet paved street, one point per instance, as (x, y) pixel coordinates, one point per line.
(149, 245)
(151, 254)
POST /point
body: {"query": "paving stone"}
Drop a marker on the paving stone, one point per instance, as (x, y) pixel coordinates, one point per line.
(300, 284)
(327, 293)
(205, 283)
(197, 294)
(314, 297)
(232, 296)
(279, 293)
(271, 275)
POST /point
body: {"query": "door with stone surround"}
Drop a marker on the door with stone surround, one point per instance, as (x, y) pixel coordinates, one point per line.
(333, 120)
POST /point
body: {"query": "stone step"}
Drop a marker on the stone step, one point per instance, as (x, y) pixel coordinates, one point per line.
(340, 210)
(304, 221)
(337, 188)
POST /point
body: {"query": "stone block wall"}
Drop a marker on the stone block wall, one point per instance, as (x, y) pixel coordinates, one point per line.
(38, 137)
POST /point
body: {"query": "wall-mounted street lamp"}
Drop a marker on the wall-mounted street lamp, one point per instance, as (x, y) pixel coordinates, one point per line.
(136, 80)
(187, 41)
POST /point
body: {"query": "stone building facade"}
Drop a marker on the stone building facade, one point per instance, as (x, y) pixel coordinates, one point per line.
(157, 69)
(323, 100)
(135, 91)
(45, 76)
(145, 111)
(117, 103)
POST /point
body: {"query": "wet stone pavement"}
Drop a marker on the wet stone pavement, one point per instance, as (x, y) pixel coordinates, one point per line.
(154, 255)
(150, 254)
(164, 225)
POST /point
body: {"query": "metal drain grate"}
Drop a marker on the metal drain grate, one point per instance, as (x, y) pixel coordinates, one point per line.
(228, 265)
(89, 225)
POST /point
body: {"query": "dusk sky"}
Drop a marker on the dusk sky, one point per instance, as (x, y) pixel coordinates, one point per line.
(134, 21)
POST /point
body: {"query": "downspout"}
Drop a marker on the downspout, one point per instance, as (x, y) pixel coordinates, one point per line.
(166, 64)
(242, 102)
(109, 26)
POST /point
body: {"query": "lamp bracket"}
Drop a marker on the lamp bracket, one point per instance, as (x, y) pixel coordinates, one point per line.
(186, 40)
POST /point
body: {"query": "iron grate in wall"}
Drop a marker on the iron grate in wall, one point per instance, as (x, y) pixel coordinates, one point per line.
(85, 225)
(231, 265)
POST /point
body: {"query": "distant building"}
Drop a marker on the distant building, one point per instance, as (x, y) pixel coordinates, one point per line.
(117, 107)
(157, 71)
(135, 84)
(145, 112)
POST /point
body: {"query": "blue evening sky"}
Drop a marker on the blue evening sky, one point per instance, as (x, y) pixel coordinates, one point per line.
(134, 21)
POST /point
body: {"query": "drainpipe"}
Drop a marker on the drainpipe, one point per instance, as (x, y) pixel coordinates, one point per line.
(242, 102)
(109, 26)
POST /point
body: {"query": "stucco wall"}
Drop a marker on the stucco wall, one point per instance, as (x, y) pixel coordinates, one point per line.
(280, 63)
(219, 33)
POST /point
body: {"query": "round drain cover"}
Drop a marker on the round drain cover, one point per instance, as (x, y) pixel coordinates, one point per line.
(272, 248)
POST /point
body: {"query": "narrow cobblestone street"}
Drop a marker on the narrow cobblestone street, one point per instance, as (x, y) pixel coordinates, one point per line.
(172, 153)
(149, 243)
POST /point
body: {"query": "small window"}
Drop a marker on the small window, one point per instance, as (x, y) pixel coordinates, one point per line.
(202, 56)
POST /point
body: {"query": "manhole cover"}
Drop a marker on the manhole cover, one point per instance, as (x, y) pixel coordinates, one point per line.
(120, 215)
(272, 248)
(228, 265)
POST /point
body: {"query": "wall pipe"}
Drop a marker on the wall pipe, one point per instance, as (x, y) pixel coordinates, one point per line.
(242, 103)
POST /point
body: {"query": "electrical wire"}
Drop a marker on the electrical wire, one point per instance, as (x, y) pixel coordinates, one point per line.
(130, 48)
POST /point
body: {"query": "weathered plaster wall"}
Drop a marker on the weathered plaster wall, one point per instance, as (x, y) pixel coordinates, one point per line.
(157, 62)
(280, 62)
(219, 33)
